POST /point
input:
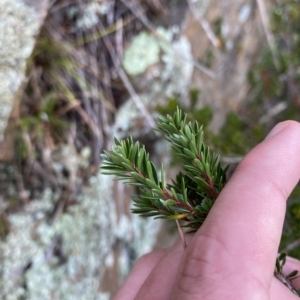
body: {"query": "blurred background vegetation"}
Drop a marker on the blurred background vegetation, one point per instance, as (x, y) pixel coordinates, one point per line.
(84, 83)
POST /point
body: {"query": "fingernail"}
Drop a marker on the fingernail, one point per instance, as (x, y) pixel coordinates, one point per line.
(279, 127)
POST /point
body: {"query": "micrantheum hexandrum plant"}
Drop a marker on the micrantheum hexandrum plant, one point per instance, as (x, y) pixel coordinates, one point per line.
(191, 194)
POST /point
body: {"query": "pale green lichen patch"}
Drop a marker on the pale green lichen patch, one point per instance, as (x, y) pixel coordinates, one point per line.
(169, 78)
(87, 233)
(142, 53)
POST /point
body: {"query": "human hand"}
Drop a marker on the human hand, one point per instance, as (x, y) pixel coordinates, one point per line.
(232, 255)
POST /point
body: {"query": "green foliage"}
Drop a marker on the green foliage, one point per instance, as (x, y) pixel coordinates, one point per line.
(44, 122)
(203, 114)
(271, 86)
(232, 138)
(208, 59)
(45, 114)
(193, 113)
(217, 27)
(193, 192)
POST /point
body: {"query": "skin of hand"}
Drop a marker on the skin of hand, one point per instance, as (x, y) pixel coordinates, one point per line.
(232, 256)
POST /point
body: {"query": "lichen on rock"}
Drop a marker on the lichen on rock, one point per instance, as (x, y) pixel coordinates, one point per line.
(142, 53)
(161, 67)
(19, 25)
(65, 260)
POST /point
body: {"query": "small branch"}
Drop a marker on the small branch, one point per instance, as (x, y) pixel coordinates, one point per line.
(205, 25)
(118, 64)
(209, 181)
(181, 235)
(209, 32)
(213, 192)
(135, 97)
(231, 160)
(205, 70)
(270, 38)
(275, 110)
(292, 246)
(211, 74)
(86, 118)
(137, 10)
(178, 203)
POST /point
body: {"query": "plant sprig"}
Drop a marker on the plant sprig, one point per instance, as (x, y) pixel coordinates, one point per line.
(285, 279)
(194, 191)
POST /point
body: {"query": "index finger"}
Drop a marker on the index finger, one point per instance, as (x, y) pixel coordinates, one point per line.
(244, 226)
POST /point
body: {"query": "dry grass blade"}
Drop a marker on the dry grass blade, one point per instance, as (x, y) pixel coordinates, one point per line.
(135, 98)
(205, 25)
(270, 38)
(138, 11)
(76, 83)
(118, 65)
(181, 234)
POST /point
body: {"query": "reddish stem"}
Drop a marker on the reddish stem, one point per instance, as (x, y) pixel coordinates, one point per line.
(209, 181)
(178, 203)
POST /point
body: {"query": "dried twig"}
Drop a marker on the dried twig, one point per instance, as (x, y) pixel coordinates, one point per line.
(231, 160)
(205, 70)
(86, 118)
(138, 11)
(79, 68)
(292, 246)
(205, 25)
(271, 113)
(181, 235)
(135, 97)
(268, 33)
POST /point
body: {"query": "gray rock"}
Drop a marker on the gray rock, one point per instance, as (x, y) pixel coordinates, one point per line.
(68, 260)
(19, 24)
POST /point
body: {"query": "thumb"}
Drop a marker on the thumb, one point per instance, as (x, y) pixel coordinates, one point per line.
(240, 237)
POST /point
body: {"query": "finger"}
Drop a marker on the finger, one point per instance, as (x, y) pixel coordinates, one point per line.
(242, 232)
(279, 291)
(160, 282)
(141, 270)
(291, 265)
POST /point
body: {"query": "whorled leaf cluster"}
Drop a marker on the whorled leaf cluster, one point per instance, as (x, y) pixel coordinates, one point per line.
(193, 192)
(191, 195)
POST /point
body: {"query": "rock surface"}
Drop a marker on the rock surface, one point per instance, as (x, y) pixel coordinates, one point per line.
(73, 258)
(20, 23)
